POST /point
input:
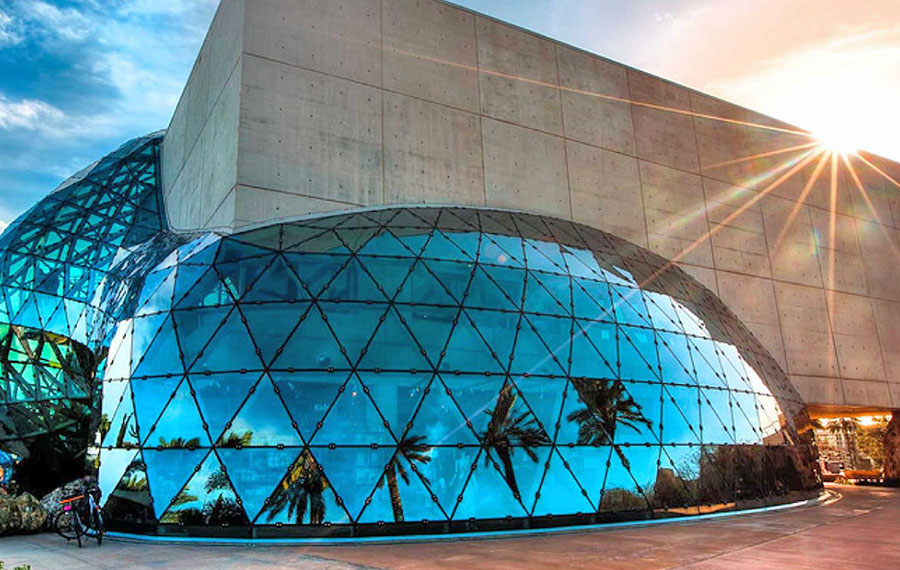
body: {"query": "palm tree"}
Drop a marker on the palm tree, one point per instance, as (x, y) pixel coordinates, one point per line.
(238, 440)
(413, 449)
(302, 489)
(179, 442)
(507, 432)
(847, 428)
(607, 404)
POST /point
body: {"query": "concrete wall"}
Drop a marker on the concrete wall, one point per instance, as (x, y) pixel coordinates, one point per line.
(322, 105)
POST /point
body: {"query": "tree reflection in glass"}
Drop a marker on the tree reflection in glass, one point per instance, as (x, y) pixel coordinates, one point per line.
(413, 449)
(509, 430)
(301, 491)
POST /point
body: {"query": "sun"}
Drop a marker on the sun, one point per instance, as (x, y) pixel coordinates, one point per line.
(839, 139)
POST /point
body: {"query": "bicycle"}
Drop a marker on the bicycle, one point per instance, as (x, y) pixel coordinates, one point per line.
(72, 522)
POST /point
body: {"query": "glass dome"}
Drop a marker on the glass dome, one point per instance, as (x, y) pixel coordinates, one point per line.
(426, 370)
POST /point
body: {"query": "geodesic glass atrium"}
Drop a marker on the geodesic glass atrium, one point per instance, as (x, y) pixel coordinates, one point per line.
(428, 370)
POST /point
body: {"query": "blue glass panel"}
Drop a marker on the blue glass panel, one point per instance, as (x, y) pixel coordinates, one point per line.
(150, 396)
(423, 287)
(542, 346)
(561, 492)
(500, 250)
(311, 346)
(439, 420)
(675, 359)
(207, 499)
(277, 283)
(594, 350)
(396, 395)
(678, 482)
(476, 396)
(255, 473)
(488, 494)
(353, 283)
(353, 474)
(230, 349)
(467, 349)
(547, 294)
(638, 358)
(591, 300)
(271, 324)
(308, 396)
(502, 290)
(431, 327)
(640, 418)
(113, 463)
(544, 398)
(316, 271)
(391, 272)
(179, 425)
(353, 419)
(628, 304)
(219, 396)
(353, 325)
(262, 421)
(632, 472)
(715, 417)
(680, 415)
(706, 362)
(445, 476)
(441, 247)
(746, 420)
(167, 472)
(588, 465)
(662, 313)
(393, 348)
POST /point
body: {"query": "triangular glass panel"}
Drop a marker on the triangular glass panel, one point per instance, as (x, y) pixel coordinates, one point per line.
(544, 256)
(162, 356)
(539, 300)
(353, 472)
(113, 464)
(255, 472)
(308, 396)
(588, 465)
(501, 250)
(746, 419)
(706, 362)
(123, 430)
(393, 348)
(389, 272)
(304, 496)
(544, 398)
(677, 482)
(561, 493)
(422, 287)
(631, 475)
(277, 283)
(150, 396)
(638, 359)
(396, 395)
(439, 420)
(167, 472)
(594, 350)
(194, 329)
(716, 425)
(410, 501)
(230, 349)
(476, 396)
(353, 325)
(662, 312)
(628, 304)
(431, 327)
(271, 324)
(353, 419)
(311, 346)
(502, 290)
(591, 300)
(207, 291)
(384, 243)
(219, 397)
(487, 494)
(131, 500)
(316, 270)
(179, 425)
(680, 415)
(354, 283)
(440, 247)
(532, 356)
(207, 499)
(675, 359)
(262, 421)
(467, 351)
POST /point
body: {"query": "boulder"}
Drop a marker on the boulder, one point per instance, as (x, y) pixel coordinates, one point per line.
(51, 501)
(21, 515)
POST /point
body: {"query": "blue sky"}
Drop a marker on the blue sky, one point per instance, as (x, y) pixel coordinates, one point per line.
(78, 77)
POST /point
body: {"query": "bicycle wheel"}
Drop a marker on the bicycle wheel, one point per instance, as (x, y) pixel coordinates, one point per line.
(97, 525)
(68, 525)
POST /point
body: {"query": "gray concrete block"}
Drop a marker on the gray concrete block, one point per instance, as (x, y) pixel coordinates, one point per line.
(525, 170)
(338, 37)
(518, 80)
(429, 52)
(259, 205)
(663, 125)
(308, 133)
(594, 101)
(606, 191)
(433, 154)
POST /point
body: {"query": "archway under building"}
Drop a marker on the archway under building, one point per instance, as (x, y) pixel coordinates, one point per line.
(858, 444)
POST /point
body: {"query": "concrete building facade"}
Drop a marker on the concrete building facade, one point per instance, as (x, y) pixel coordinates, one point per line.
(297, 108)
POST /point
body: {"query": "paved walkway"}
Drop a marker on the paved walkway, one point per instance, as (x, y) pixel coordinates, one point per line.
(862, 530)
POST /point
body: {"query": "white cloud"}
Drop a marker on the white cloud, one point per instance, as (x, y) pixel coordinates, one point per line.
(65, 24)
(9, 35)
(29, 114)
